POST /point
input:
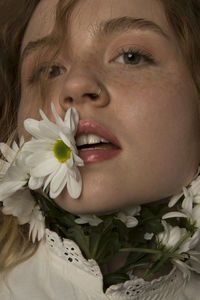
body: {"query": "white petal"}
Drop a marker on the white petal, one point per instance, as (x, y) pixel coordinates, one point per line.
(93, 220)
(175, 214)
(49, 178)
(71, 119)
(38, 145)
(81, 221)
(74, 173)
(9, 188)
(57, 118)
(74, 187)
(58, 178)
(45, 168)
(132, 211)
(197, 198)
(66, 140)
(7, 152)
(188, 201)
(78, 161)
(131, 222)
(183, 267)
(3, 167)
(15, 147)
(148, 236)
(36, 230)
(17, 172)
(20, 204)
(35, 183)
(174, 200)
(38, 157)
(43, 116)
(70, 163)
(55, 194)
(32, 126)
(196, 214)
(49, 130)
(21, 141)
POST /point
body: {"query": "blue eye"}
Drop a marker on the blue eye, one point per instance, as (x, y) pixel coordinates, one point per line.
(132, 57)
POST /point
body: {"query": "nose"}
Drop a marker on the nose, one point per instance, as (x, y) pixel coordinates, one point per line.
(83, 88)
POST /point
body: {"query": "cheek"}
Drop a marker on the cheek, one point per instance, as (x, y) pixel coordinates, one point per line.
(158, 106)
(160, 129)
(28, 108)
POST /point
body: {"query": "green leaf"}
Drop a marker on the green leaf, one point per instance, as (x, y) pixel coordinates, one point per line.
(77, 235)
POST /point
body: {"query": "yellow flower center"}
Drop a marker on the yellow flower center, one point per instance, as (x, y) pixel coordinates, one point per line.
(61, 151)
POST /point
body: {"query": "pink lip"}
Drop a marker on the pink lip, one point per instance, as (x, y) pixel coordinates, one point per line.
(98, 155)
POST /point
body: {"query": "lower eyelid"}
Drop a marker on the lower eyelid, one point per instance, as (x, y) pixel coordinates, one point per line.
(35, 75)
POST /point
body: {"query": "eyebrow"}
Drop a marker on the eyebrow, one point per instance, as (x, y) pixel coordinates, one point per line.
(34, 46)
(128, 23)
(104, 28)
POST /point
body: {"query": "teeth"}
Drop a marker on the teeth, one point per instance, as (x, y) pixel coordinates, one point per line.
(90, 139)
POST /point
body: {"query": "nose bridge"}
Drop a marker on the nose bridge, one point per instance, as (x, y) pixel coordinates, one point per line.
(80, 80)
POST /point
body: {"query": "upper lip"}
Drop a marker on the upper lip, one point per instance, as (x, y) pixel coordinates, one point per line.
(90, 126)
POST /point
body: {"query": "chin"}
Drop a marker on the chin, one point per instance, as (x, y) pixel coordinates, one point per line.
(96, 203)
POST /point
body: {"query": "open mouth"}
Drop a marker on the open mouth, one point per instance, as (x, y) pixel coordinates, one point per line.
(87, 142)
(96, 143)
(93, 148)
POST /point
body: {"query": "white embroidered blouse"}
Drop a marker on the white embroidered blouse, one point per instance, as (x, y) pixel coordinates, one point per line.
(59, 271)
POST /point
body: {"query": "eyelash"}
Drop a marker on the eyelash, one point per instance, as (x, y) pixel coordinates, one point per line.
(148, 57)
(36, 74)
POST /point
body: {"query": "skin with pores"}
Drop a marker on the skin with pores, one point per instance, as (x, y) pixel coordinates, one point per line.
(150, 106)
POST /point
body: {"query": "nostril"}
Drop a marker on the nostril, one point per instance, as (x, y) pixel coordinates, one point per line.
(69, 99)
(92, 96)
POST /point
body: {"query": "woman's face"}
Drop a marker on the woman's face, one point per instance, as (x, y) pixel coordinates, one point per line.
(148, 100)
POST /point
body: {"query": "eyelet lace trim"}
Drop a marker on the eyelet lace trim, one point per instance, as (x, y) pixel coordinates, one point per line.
(157, 289)
(70, 252)
(134, 289)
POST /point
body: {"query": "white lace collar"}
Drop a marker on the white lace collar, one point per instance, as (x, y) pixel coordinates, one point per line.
(135, 288)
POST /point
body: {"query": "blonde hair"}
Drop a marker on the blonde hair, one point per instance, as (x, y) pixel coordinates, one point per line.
(182, 15)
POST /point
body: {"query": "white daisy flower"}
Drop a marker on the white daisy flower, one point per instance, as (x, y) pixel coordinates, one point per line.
(148, 236)
(93, 220)
(19, 205)
(4, 165)
(10, 155)
(15, 173)
(127, 216)
(189, 210)
(22, 205)
(193, 189)
(37, 225)
(53, 154)
(170, 236)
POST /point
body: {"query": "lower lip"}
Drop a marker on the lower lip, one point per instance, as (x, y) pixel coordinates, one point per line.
(95, 156)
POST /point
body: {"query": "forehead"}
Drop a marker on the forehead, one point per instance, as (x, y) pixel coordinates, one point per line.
(89, 13)
(41, 22)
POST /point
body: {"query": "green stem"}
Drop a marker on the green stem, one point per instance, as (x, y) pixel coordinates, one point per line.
(166, 256)
(95, 248)
(147, 275)
(142, 250)
(125, 269)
